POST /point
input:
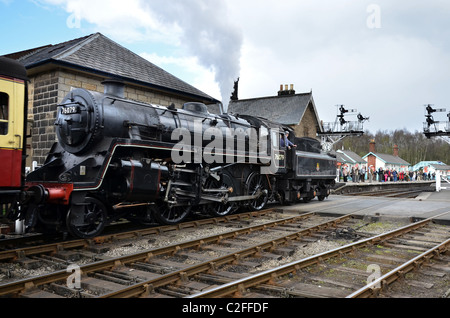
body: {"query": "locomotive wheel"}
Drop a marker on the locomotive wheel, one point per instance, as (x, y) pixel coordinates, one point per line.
(221, 209)
(258, 184)
(90, 222)
(165, 214)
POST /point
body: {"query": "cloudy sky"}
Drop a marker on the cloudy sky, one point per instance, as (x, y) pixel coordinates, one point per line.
(384, 58)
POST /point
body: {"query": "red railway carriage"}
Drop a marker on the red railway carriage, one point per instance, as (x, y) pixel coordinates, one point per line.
(13, 116)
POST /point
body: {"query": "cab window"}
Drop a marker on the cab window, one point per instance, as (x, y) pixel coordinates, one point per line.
(275, 140)
(4, 113)
(264, 143)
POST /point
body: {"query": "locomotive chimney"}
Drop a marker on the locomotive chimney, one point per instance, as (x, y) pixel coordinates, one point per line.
(114, 88)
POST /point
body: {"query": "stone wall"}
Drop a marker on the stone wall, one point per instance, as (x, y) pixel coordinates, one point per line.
(308, 124)
(42, 105)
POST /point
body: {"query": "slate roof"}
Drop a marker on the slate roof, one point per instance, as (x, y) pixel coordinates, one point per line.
(391, 159)
(441, 167)
(423, 164)
(12, 68)
(286, 109)
(437, 165)
(348, 156)
(100, 55)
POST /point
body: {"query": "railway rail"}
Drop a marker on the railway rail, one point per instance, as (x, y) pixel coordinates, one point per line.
(16, 247)
(32, 248)
(393, 193)
(190, 267)
(289, 279)
(23, 285)
(117, 269)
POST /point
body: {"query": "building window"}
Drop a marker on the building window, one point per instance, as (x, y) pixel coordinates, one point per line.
(4, 113)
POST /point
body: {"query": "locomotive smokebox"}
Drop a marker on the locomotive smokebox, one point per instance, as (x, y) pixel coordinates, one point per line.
(114, 88)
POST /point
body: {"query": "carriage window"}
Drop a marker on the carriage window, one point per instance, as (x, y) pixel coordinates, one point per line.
(4, 111)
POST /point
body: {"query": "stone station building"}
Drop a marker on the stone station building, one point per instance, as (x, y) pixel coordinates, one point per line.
(297, 111)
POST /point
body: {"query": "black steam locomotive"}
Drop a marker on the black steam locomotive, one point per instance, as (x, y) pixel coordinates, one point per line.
(118, 158)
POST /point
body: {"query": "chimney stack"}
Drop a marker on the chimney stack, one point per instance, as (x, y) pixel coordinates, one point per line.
(396, 151)
(284, 90)
(372, 146)
(372, 159)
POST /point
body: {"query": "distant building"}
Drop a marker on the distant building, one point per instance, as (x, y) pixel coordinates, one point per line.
(54, 70)
(385, 161)
(431, 167)
(349, 159)
(295, 110)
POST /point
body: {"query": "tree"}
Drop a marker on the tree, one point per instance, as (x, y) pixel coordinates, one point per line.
(413, 147)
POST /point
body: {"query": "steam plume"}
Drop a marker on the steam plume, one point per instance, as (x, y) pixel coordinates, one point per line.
(206, 32)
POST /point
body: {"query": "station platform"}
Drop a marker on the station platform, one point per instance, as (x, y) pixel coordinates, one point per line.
(427, 204)
(355, 187)
(443, 195)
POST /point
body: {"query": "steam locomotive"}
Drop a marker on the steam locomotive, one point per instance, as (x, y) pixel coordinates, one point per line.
(118, 158)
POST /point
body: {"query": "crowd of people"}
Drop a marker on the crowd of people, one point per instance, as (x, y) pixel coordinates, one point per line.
(356, 174)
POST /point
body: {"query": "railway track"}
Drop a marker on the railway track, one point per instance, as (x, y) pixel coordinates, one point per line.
(400, 193)
(337, 273)
(271, 229)
(32, 248)
(20, 248)
(21, 244)
(187, 268)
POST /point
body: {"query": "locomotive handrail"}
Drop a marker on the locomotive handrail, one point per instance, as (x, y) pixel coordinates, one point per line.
(70, 103)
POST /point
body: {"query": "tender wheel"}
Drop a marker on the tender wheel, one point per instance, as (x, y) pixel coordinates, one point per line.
(170, 215)
(89, 221)
(257, 184)
(221, 209)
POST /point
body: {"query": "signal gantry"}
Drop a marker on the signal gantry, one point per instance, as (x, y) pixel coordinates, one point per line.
(334, 132)
(433, 128)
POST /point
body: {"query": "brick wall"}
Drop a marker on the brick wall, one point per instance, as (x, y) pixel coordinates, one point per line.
(47, 90)
(372, 161)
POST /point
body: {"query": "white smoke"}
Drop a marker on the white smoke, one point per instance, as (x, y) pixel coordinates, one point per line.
(206, 32)
(201, 28)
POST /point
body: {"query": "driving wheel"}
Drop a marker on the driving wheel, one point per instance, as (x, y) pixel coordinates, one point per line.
(87, 220)
(258, 185)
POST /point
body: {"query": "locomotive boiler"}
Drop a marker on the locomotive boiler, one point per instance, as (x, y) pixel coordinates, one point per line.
(119, 158)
